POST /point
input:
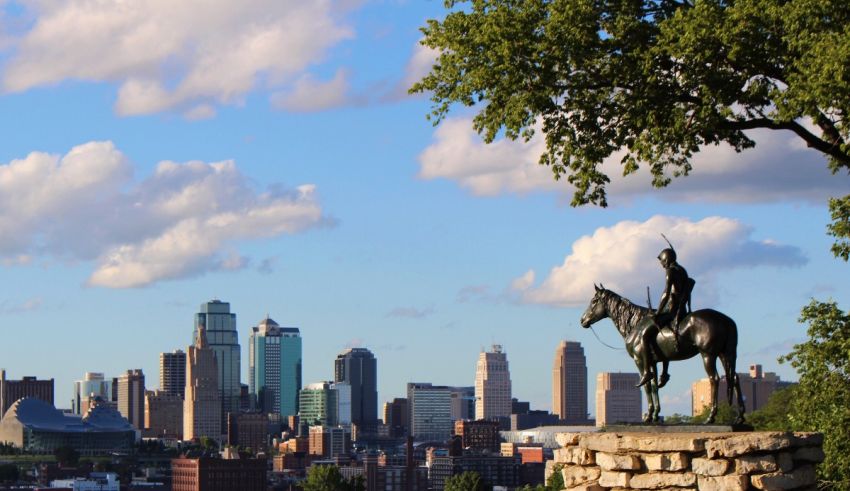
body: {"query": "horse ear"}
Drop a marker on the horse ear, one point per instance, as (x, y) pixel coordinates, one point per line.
(596, 287)
(601, 286)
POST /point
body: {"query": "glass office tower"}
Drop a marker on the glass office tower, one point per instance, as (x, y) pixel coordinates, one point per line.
(222, 338)
(274, 362)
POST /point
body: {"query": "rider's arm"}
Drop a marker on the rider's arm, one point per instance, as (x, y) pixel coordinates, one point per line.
(665, 297)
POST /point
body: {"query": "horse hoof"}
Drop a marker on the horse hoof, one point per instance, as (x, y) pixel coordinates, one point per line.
(664, 379)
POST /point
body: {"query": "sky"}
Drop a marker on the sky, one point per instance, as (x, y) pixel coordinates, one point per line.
(157, 155)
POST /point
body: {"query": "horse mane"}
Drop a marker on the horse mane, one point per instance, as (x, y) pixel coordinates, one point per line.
(623, 313)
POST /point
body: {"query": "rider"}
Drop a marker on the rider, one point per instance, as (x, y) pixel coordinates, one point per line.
(675, 303)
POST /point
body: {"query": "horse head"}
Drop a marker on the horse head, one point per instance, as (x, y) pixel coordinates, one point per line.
(597, 309)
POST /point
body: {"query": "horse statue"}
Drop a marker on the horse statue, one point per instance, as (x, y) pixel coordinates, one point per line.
(706, 332)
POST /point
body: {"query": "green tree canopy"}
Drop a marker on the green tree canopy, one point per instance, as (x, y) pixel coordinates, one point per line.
(822, 398)
(329, 478)
(466, 481)
(656, 79)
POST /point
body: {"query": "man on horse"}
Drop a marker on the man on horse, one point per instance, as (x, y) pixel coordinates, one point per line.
(674, 305)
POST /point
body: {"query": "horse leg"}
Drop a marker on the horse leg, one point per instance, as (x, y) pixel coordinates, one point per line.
(710, 364)
(650, 407)
(733, 385)
(657, 404)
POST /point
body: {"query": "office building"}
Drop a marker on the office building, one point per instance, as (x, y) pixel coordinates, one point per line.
(222, 338)
(91, 386)
(318, 405)
(131, 397)
(172, 373)
(617, 398)
(569, 383)
(492, 385)
(756, 387)
(274, 367)
(494, 470)
(202, 405)
(12, 390)
(37, 427)
(463, 403)
(214, 474)
(395, 417)
(163, 415)
(248, 430)
(481, 435)
(430, 409)
(358, 368)
(329, 441)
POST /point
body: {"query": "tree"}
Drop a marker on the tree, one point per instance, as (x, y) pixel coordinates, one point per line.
(466, 481)
(9, 473)
(329, 478)
(656, 79)
(776, 414)
(821, 401)
(66, 456)
(556, 480)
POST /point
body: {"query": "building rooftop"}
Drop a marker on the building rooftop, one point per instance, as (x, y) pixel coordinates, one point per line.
(39, 415)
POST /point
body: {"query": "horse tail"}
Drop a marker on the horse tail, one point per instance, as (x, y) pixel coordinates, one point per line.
(729, 359)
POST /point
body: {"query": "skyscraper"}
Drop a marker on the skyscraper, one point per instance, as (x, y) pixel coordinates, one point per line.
(492, 385)
(172, 373)
(274, 367)
(202, 404)
(131, 397)
(93, 385)
(430, 409)
(617, 398)
(319, 405)
(569, 383)
(358, 367)
(222, 338)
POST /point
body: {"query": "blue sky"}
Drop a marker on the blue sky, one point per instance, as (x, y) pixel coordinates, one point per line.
(265, 153)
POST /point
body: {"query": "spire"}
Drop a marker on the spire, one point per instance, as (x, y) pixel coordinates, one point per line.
(201, 341)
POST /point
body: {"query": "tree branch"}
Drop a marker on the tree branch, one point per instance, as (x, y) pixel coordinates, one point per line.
(831, 148)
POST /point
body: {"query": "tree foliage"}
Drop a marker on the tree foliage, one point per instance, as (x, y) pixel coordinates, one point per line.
(776, 415)
(466, 481)
(822, 398)
(654, 79)
(329, 478)
(66, 456)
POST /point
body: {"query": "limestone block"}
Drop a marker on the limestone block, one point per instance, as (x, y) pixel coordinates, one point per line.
(575, 474)
(723, 483)
(744, 443)
(574, 455)
(748, 464)
(809, 454)
(710, 467)
(675, 461)
(806, 439)
(567, 439)
(802, 476)
(613, 479)
(656, 480)
(785, 461)
(672, 442)
(601, 442)
(587, 487)
(614, 462)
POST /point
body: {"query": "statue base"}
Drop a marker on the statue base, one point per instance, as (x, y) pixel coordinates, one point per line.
(696, 459)
(676, 428)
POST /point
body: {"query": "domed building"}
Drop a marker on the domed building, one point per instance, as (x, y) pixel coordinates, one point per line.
(37, 427)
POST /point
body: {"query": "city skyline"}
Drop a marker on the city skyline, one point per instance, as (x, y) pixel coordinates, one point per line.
(137, 184)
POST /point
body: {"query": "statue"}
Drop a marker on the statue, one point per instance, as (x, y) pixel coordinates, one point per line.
(705, 332)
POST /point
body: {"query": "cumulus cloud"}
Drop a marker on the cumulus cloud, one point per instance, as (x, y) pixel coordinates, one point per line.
(186, 56)
(778, 169)
(184, 220)
(310, 95)
(622, 258)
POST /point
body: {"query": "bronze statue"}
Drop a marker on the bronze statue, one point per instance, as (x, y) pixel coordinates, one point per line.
(706, 332)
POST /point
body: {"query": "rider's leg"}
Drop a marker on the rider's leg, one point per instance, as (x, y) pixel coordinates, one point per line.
(646, 353)
(665, 377)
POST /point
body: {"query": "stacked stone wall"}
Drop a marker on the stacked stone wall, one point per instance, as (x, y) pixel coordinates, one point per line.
(680, 461)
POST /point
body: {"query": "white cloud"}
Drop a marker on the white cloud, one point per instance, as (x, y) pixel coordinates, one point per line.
(184, 220)
(418, 66)
(778, 169)
(622, 257)
(309, 94)
(186, 56)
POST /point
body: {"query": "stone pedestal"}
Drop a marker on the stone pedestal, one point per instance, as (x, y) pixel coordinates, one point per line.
(678, 461)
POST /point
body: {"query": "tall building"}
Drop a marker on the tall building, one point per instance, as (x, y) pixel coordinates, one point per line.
(202, 405)
(492, 385)
(569, 383)
(131, 397)
(430, 409)
(274, 367)
(478, 435)
(172, 373)
(756, 387)
(395, 416)
(163, 415)
(463, 403)
(319, 404)
(222, 338)
(358, 367)
(12, 390)
(617, 398)
(92, 385)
